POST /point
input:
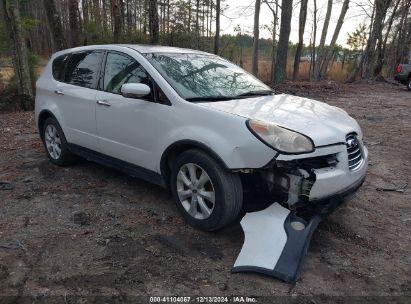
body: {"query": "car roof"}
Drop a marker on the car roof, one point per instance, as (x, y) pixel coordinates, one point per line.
(145, 48)
(141, 48)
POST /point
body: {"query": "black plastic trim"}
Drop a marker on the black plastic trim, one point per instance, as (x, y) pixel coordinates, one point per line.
(128, 168)
(290, 264)
(279, 151)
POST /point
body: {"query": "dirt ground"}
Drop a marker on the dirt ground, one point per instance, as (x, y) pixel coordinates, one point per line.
(88, 231)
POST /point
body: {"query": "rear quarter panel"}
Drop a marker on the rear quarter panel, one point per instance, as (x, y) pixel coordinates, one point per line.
(45, 97)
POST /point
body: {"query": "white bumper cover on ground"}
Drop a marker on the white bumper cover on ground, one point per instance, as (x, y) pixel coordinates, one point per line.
(275, 243)
(265, 237)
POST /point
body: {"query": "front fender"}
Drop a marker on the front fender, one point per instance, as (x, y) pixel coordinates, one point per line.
(234, 146)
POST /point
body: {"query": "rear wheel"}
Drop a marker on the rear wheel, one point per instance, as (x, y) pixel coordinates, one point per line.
(55, 143)
(409, 84)
(208, 195)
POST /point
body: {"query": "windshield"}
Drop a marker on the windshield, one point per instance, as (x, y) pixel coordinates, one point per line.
(206, 77)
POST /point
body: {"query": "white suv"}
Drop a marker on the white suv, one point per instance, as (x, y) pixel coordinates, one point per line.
(198, 125)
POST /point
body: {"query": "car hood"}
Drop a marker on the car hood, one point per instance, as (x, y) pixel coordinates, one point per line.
(323, 123)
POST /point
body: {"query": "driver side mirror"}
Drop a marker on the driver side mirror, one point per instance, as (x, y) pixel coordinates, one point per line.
(135, 90)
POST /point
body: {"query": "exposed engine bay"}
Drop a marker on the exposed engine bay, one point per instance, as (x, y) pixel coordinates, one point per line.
(290, 181)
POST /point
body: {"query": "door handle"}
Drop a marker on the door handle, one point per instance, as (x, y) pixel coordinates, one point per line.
(59, 92)
(103, 103)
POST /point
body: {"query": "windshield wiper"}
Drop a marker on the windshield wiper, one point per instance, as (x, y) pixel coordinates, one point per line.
(223, 97)
(210, 98)
(257, 93)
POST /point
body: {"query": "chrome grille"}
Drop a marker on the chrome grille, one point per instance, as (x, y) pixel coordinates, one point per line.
(354, 151)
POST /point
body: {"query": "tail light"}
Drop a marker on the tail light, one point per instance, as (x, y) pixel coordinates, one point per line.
(398, 70)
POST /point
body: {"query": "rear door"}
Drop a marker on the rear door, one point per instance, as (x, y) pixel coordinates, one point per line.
(76, 96)
(129, 127)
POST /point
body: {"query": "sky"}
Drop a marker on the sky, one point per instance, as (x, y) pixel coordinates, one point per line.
(241, 12)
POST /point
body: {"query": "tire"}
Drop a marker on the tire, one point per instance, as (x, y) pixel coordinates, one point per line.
(409, 84)
(55, 141)
(218, 184)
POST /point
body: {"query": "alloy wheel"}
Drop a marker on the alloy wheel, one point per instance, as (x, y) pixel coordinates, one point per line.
(53, 142)
(195, 191)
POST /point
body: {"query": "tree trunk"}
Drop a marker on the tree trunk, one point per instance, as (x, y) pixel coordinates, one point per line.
(406, 48)
(55, 25)
(19, 53)
(328, 56)
(381, 7)
(208, 19)
(203, 21)
(153, 21)
(104, 21)
(320, 53)
(97, 15)
(85, 10)
(129, 16)
(301, 28)
(217, 28)
(197, 24)
(274, 46)
(256, 36)
(404, 37)
(189, 17)
(280, 72)
(313, 47)
(74, 23)
(117, 20)
(168, 18)
(382, 45)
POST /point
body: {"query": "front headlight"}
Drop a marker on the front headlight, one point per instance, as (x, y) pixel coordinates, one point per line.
(279, 138)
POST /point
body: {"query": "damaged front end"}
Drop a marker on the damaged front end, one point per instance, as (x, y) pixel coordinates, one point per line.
(289, 182)
(298, 193)
(277, 237)
(295, 178)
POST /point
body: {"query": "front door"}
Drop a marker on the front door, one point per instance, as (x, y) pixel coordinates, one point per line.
(127, 127)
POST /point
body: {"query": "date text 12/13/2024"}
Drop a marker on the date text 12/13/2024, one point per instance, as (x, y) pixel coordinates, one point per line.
(203, 299)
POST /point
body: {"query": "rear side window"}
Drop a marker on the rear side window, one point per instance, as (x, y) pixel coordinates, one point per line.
(83, 69)
(58, 67)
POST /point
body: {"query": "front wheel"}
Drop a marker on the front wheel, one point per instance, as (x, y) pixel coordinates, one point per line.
(208, 195)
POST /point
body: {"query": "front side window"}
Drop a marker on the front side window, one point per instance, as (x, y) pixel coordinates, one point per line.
(83, 69)
(202, 77)
(121, 69)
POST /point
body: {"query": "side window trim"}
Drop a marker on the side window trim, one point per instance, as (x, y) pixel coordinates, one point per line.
(63, 76)
(100, 82)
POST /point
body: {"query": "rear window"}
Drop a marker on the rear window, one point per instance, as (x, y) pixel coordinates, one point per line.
(83, 69)
(58, 67)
